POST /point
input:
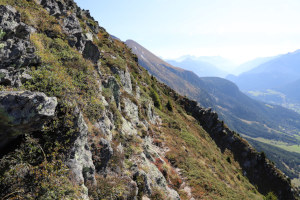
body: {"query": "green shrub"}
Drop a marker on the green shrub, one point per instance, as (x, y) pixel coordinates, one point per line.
(270, 196)
(27, 173)
(2, 34)
(112, 187)
(169, 106)
(156, 99)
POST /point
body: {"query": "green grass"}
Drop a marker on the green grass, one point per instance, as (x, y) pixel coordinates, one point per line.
(279, 144)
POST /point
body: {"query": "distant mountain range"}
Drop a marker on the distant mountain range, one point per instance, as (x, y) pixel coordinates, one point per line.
(275, 81)
(216, 66)
(241, 113)
(249, 65)
(199, 67)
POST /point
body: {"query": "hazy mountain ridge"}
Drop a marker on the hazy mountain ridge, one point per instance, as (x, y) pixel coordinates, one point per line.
(275, 81)
(272, 74)
(201, 68)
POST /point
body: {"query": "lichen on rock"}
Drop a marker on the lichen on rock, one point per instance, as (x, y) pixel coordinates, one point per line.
(23, 112)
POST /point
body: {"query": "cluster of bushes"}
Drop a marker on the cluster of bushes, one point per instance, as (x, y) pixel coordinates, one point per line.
(30, 173)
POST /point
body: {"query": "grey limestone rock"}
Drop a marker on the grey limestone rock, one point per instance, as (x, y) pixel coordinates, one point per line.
(154, 179)
(71, 26)
(22, 112)
(126, 80)
(14, 77)
(138, 92)
(106, 124)
(106, 153)
(127, 128)
(91, 52)
(131, 110)
(15, 50)
(112, 84)
(54, 7)
(80, 161)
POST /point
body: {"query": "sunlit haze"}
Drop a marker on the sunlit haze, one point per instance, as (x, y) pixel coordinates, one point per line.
(236, 29)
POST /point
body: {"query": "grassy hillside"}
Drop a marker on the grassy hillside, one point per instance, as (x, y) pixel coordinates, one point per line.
(105, 108)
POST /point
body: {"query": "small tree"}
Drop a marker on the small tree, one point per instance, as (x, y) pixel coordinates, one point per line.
(169, 106)
(263, 155)
(156, 99)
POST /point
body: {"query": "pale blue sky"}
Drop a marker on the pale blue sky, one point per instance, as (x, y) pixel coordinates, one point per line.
(236, 29)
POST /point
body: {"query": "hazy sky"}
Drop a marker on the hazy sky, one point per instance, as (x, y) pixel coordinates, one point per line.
(235, 29)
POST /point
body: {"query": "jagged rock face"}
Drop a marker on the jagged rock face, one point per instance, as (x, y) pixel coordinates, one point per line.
(55, 8)
(126, 81)
(106, 153)
(99, 148)
(15, 48)
(23, 112)
(12, 77)
(153, 178)
(255, 166)
(131, 110)
(91, 52)
(71, 26)
(112, 84)
(80, 161)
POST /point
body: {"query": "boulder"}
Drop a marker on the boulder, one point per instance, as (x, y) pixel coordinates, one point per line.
(91, 52)
(23, 112)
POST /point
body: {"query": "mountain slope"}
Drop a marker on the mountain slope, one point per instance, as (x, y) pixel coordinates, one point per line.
(241, 113)
(85, 121)
(167, 74)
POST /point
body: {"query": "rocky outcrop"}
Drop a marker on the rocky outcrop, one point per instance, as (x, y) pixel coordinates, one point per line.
(57, 7)
(16, 50)
(23, 112)
(71, 26)
(154, 178)
(12, 77)
(80, 161)
(131, 110)
(112, 84)
(259, 170)
(106, 153)
(126, 81)
(91, 51)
